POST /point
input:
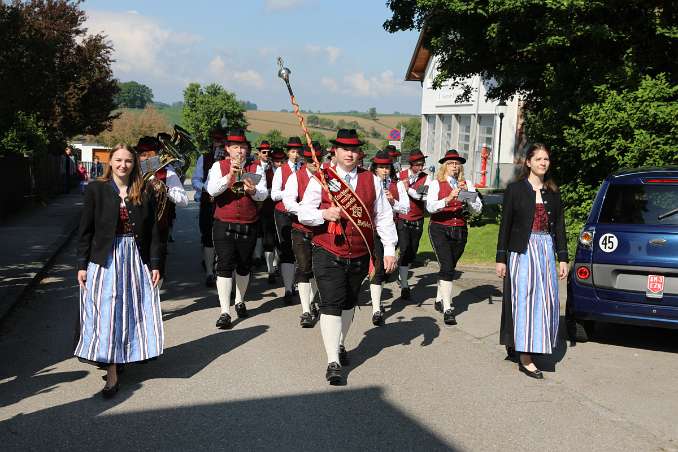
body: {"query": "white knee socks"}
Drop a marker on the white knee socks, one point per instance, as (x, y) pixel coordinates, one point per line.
(346, 319)
(404, 269)
(439, 296)
(224, 286)
(305, 296)
(269, 255)
(258, 248)
(241, 287)
(446, 293)
(287, 271)
(375, 293)
(208, 256)
(330, 329)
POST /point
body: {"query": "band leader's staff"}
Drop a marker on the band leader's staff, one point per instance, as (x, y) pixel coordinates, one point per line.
(341, 261)
(447, 228)
(531, 236)
(302, 236)
(411, 225)
(206, 215)
(235, 215)
(118, 249)
(396, 194)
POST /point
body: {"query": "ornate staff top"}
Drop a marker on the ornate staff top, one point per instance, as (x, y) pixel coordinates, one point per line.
(284, 73)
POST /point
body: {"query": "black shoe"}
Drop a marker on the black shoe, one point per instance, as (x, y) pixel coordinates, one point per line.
(511, 355)
(378, 318)
(536, 374)
(210, 281)
(343, 356)
(241, 310)
(224, 322)
(405, 293)
(448, 317)
(109, 391)
(438, 305)
(271, 278)
(288, 298)
(306, 320)
(333, 374)
(315, 312)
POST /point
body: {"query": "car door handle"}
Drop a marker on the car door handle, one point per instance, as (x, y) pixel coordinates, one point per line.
(658, 242)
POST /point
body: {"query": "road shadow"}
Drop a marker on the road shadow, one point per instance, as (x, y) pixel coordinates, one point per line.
(347, 420)
(401, 332)
(631, 336)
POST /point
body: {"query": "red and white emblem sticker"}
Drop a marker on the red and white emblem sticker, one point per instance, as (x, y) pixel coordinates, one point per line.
(655, 285)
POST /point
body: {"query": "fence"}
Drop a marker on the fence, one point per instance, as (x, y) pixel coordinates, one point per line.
(28, 180)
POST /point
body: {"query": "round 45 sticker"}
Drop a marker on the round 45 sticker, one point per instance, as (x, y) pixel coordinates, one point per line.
(608, 243)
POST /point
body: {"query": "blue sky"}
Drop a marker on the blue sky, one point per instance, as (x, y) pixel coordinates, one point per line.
(340, 56)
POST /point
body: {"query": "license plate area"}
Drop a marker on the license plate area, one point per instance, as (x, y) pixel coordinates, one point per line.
(655, 286)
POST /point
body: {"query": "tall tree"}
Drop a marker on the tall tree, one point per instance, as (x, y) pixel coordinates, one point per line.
(53, 71)
(372, 113)
(204, 107)
(133, 95)
(134, 124)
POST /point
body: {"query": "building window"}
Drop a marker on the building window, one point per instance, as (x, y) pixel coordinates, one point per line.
(446, 139)
(485, 138)
(430, 133)
(464, 142)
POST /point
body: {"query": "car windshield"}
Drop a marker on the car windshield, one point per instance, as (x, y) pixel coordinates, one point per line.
(640, 204)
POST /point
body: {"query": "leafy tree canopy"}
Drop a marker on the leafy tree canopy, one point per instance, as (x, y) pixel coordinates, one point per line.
(204, 107)
(52, 71)
(133, 95)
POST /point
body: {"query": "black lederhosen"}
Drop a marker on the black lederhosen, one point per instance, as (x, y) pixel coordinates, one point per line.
(378, 255)
(448, 243)
(206, 219)
(234, 244)
(409, 234)
(283, 225)
(303, 250)
(267, 232)
(338, 279)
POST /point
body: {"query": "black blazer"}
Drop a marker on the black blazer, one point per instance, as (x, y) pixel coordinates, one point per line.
(517, 216)
(99, 220)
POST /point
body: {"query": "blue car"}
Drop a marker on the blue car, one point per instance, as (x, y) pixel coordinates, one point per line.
(626, 265)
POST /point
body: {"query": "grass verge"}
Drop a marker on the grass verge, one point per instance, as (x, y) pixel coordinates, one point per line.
(480, 248)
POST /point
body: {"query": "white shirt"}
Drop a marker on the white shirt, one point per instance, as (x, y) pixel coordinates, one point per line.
(412, 178)
(310, 214)
(433, 204)
(175, 190)
(276, 185)
(402, 204)
(218, 183)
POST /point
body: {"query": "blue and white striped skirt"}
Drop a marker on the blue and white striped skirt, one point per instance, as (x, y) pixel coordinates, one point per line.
(534, 296)
(120, 317)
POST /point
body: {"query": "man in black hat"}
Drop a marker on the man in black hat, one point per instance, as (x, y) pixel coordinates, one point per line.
(283, 220)
(343, 238)
(206, 214)
(235, 193)
(411, 225)
(302, 235)
(266, 242)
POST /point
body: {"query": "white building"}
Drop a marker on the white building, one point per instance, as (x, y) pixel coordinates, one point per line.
(466, 127)
(90, 150)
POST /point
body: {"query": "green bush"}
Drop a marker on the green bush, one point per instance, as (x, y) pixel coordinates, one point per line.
(24, 136)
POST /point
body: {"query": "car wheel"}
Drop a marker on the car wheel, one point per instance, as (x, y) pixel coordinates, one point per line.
(582, 330)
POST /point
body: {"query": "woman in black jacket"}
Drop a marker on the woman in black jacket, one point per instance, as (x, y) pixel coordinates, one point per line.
(118, 270)
(531, 235)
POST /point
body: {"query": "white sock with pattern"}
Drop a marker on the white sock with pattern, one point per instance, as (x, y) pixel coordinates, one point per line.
(287, 271)
(269, 255)
(330, 329)
(446, 292)
(346, 319)
(375, 294)
(241, 283)
(305, 296)
(404, 270)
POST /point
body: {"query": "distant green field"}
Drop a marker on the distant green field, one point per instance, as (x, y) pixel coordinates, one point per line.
(480, 248)
(173, 114)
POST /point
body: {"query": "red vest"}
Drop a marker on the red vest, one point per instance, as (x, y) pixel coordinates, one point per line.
(451, 215)
(417, 206)
(302, 183)
(353, 245)
(232, 208)
(286, 172)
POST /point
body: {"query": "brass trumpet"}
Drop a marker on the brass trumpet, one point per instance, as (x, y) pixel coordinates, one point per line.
(238, 186)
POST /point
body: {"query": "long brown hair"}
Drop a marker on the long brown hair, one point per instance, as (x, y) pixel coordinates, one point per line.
(134, 190)
(549, 183)
(441, 174)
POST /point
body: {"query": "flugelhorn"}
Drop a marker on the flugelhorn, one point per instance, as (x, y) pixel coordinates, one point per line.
(238, 186)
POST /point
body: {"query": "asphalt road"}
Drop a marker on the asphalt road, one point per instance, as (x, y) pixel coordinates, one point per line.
(414, 384)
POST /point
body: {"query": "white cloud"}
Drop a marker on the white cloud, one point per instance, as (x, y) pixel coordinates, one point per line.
(248, 77)
(330, 84)
(358, 84)
(381, 85)
(281, 5)
(332, 53)
(140, 44)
